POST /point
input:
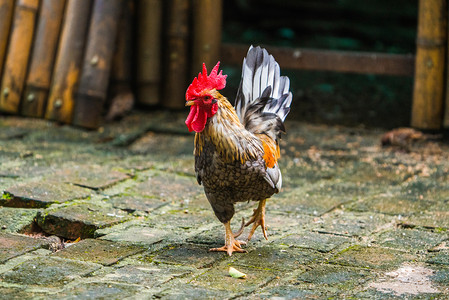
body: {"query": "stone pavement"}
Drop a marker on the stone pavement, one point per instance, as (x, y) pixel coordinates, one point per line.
(354, 220)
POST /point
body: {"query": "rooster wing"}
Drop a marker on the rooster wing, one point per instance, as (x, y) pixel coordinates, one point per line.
(262, 103)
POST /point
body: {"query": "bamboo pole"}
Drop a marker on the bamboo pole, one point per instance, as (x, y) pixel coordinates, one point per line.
(121, 98)
(6, 13)
(176, 59)
(427, 110)
(121, 61)
(68, 61)
(446, 106)
(42, 58)
(149, 18)
(207, 27)
(18, 54)
(96, 68)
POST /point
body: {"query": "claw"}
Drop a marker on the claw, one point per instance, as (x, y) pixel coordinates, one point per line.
(231, 244)
(235, 246)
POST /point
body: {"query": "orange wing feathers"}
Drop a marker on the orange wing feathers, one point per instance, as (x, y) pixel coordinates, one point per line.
(271, 150)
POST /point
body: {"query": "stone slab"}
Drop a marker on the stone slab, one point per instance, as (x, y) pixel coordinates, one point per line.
(135, 235)
(9, 133)
(41, 194)
(47, 271)
(20, 293)
(212, 237)
(92, 176)
(16, 219)
(316, 199)
(351, 224)
(132, 203)
(12, 245)
(218, 278)
(285, 291)
(190, 255)
(149, 275)
(98, 251)
(441, 277)
(170, 187)
(100, 290)
(411, 280)
(334, 278)
(163, 143)
(313, 240)
(439, 258)
(371, 257)
(437, 220)
(79, 220)
(278, 259)
(187, 291)
(402, 204)
(411, 239)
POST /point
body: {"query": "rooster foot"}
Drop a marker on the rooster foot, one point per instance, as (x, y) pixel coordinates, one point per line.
(230, 248)
(231, 244)
(258, 219)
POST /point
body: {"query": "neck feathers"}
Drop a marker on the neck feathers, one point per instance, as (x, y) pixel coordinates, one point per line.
(230, 138)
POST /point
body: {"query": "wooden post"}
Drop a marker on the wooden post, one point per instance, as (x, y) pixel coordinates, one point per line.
(427, 110)
(68, 61)
(18, 54)
(207, 27)
(149, 39)
(176, 59)
(96, 68)
(6, 12)
(42, 58)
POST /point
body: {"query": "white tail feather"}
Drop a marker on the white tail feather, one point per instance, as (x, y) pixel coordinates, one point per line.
(260, 70)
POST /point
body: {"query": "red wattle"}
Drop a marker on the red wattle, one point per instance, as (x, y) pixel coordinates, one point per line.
(197, 118)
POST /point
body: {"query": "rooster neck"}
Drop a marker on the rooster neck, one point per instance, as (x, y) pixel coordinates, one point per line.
(229, 137)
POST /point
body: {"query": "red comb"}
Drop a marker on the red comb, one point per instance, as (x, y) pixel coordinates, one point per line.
(203, 82)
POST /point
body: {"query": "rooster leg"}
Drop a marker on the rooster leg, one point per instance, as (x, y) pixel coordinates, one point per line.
(258, 218)
(238, 233)
(231, 244)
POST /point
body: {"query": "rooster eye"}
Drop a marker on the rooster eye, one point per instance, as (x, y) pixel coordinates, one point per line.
(207, 98)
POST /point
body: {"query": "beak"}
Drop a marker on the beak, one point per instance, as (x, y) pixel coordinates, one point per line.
(190, 103)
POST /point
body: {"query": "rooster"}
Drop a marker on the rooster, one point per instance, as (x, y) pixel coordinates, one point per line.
(236, 148)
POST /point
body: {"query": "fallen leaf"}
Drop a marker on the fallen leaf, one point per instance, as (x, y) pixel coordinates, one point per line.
(236, 273)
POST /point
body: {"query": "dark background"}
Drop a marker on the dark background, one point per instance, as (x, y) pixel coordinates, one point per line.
(386, 26)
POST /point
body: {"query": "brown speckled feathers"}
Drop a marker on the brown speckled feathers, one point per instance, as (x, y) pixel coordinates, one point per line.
(236, 153)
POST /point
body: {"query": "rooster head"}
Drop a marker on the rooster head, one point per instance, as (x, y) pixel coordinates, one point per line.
(200, 97)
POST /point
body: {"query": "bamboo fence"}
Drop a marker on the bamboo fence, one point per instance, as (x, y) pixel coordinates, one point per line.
(72, 61)
(428, 96)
